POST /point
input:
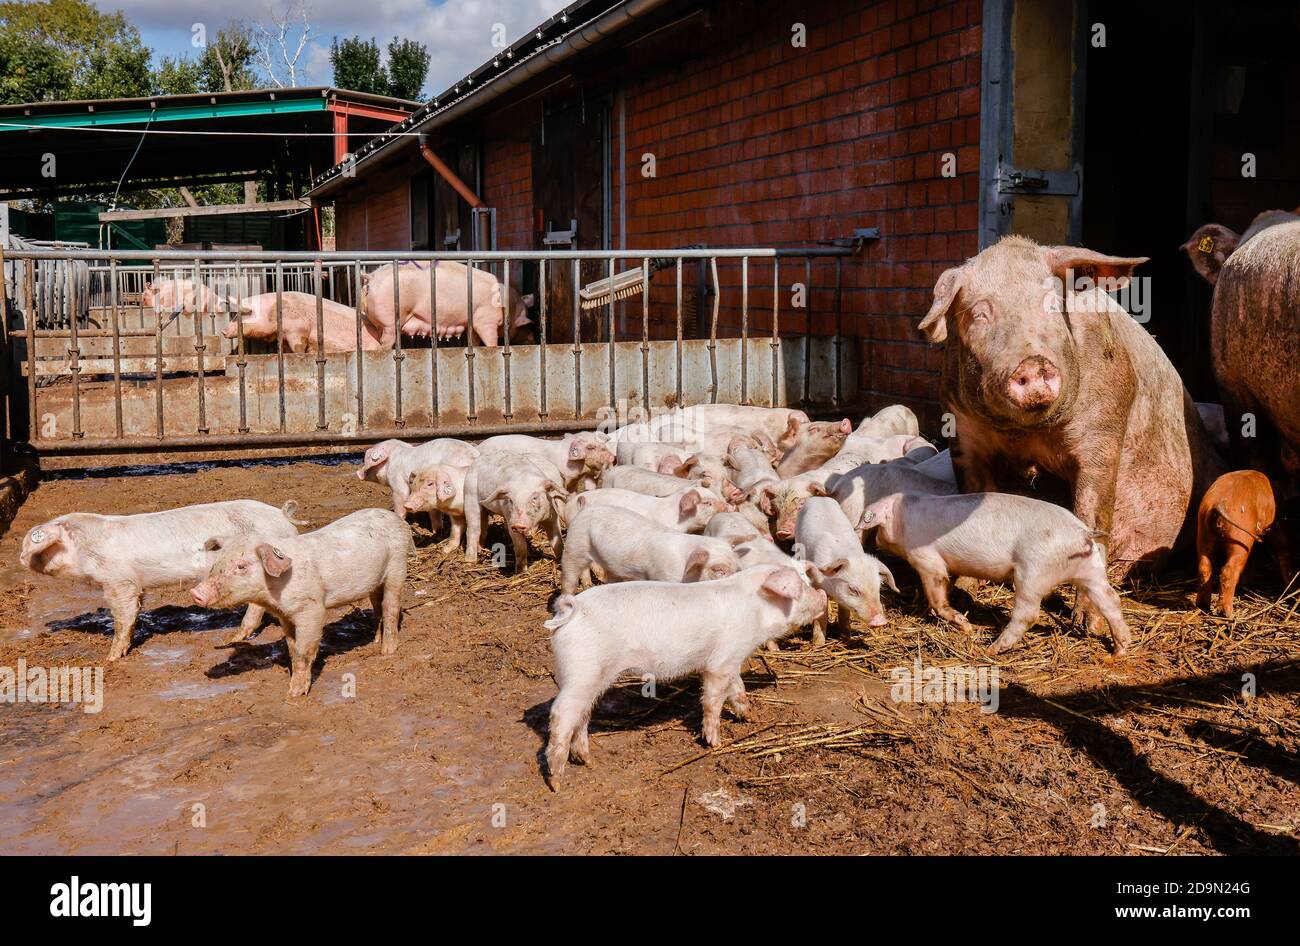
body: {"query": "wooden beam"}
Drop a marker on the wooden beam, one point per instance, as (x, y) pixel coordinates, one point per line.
(162, 213)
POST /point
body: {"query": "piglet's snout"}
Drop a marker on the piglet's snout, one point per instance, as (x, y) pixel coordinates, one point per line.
(1036, 382)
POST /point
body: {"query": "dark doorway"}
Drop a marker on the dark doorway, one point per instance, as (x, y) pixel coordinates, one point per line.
(1173, 102)
(570, 167)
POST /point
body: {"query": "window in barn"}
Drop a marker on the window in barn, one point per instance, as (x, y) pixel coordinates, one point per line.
(571, 174)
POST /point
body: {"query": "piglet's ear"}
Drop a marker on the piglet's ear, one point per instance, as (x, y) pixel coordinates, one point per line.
(689, 502)
(935, 323)
(1082, 262)
(212, 545)
(835, 567)
(887, 576)
(698, 559)
(275, 562)
(791, 430)
(783, 583)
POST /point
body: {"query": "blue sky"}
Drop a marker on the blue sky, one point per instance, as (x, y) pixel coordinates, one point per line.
(458, 32)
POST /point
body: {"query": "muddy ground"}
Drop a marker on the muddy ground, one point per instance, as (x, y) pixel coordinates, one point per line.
(437, 749)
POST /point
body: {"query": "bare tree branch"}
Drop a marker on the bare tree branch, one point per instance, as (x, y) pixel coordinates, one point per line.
(280, 38)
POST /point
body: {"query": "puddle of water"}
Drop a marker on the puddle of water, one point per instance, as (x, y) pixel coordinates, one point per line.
(199, 691)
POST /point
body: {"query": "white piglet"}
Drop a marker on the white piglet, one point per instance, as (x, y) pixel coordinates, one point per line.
(616, 544)
(395, 461)
(667, 631)
(362, 555)
(686, 511)
(997, 537)
(526, 491)
(126, 555)
(848, 575)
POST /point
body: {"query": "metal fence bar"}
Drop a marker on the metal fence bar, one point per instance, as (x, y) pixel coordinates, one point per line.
(469, 339)
(542, 294)
(279, 340)
(433, 336)
(612, 332)
(199, 346)
(158, 363)
(506, 321)
(29, 320)
(74, 356)
(776, 330)
(361, 387)
(713, 335)
(678, 379)
(744, 330)
(117, 349)
(577, 340)
(645, 333)
(807, 331)
(398, 420)
(321, 360)
(241, 362)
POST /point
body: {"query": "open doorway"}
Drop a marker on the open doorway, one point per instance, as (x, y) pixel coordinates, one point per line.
(1174, 104)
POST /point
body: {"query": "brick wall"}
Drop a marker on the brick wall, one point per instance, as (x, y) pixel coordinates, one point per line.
(376, 213)
(508, 186)
(764, 144)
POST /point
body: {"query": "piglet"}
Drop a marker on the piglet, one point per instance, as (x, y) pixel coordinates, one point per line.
(394, 462)
(848, 575)
(621, 545)
(687, 511)
(997, 537)
(298, 578)
(811, 445)
(578, 457)
(1236, 511)
(641, 480)
(666, 631)
(441, 489)
(128, 554)
(527, 491)
(734, 527)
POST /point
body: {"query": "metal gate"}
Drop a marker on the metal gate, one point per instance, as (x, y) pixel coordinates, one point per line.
(115, 376)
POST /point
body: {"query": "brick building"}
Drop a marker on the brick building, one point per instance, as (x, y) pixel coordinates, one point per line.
(649, 124)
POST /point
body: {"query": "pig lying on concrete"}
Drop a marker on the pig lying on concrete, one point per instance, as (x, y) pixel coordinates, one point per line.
(687, 511)
(811, 445)
(128, 554)
(526, 491)
(298, 578)
(1235, 513)
(1052, 383)
(997, 537)
(490, 300)
(849, 576)
(298, 323)
(394, 462)
(578, 457)
(666, 631)
(621, 545)
(441, 489)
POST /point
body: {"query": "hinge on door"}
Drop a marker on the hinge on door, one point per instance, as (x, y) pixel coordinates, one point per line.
(1046, 183)
(562, 237)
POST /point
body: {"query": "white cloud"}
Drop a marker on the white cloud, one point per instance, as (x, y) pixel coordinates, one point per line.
(458, 33)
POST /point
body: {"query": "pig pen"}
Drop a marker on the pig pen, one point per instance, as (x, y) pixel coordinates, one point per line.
(437, 749)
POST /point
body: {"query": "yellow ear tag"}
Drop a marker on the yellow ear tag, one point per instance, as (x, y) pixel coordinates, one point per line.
(1206, 245)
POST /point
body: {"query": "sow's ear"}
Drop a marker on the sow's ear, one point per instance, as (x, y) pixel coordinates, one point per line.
(1063, 260)
(935, 323)
(275, 562)
(1209, 248)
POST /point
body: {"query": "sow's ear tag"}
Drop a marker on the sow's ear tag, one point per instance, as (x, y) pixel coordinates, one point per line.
(1206, 245)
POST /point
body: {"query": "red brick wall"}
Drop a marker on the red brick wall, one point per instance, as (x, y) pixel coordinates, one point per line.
(763, 144)
(376, 213)
(508, 186)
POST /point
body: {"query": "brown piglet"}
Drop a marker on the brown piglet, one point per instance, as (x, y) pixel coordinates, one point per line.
(1235, 512)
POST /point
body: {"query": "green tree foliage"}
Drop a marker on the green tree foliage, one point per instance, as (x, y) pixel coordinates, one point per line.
(67, 49)
(408, 64)
(357, 66)
(225, 65)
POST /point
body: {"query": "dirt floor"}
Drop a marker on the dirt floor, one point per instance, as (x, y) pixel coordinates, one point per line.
(437, 749)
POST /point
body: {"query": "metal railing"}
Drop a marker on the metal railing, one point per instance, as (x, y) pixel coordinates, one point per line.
(150, 380)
